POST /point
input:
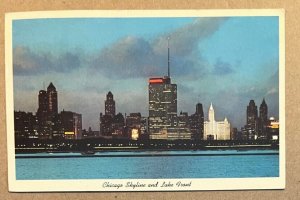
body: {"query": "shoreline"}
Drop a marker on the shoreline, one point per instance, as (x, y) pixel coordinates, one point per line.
(138, 149)
(143, 155)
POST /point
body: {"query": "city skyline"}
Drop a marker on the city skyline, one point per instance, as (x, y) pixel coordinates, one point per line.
(218, 60)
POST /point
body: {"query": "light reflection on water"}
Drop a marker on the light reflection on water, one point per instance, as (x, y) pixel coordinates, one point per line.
(221, 166)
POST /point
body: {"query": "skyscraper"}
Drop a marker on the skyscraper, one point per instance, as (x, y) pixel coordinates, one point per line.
(251, 128)
(25, 125)
(110, 107)
(197, 123)
(252, 118)
(43, 106)
(47, 113)
(71, 124)
(162, 106)
(216, 130)
(163, 121)
(52, 100)
(263, 119)
(252, 114)
(111, 125)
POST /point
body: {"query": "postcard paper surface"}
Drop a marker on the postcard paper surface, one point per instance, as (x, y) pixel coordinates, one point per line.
(145, 100)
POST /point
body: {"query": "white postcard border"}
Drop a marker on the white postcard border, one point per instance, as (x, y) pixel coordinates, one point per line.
(99, 184)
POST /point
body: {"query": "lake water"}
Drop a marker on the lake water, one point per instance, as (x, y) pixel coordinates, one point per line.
(149, 165)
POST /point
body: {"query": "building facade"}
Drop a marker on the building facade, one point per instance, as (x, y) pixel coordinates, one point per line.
(263, 120)
(111, 124)
(47, 113)
(52, 99)
(252, 120)
(133, 125)
(216, 130)
(196, 122)
(25, 125)
(162, 107)
(273, 129)
(110, 105)
(163, 121)
(71, 125)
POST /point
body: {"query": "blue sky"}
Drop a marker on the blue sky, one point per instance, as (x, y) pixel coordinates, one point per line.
(226, 61)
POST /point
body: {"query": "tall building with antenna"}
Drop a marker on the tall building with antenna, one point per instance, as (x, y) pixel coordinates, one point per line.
(163, 121)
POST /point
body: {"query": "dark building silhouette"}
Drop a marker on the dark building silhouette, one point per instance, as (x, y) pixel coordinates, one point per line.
(144, 128)
(234, 134)
(25, 125)
(183, 128)
(110, 107)
(42, 115)
(133, 120)
(252, 114)
(48, 123)
(256, 127)
(47, 113)
(111, 125)
(42, 111)
(118, 125)
(107, 119)
(263, 121)
(252, 121)
(52, 100)
(105, 125)
(89, 133)
(133, 125)
(183, 120)
(71, 125)
(196, 121)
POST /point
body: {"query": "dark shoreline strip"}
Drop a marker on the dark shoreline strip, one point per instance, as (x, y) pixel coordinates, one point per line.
(144, 155)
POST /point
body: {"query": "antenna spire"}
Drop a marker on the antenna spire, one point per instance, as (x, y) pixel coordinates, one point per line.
(168, 57)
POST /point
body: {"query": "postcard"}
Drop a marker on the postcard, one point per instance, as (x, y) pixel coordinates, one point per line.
(145, 100)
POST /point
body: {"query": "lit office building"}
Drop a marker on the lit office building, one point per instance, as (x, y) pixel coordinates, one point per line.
(25, 125)
(163, 121)
(133, 125)
(273, 129)
(71, 125)
(162, 107)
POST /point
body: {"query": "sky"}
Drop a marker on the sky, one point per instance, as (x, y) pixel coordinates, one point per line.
(226, 61)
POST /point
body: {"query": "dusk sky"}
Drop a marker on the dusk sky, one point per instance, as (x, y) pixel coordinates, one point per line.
(226, 61)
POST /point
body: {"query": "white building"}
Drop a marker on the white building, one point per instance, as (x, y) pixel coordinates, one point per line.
(216, 130)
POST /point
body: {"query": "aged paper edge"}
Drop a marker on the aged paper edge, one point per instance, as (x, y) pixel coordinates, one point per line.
(95, 184)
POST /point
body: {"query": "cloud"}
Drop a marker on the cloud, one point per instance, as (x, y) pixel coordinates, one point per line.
(27, 62)
(222, 68)
(129, 57)
(185, 40)
(132, 57)
(272, 91)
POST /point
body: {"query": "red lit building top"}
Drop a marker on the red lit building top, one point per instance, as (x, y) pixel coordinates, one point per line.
(160, 80)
